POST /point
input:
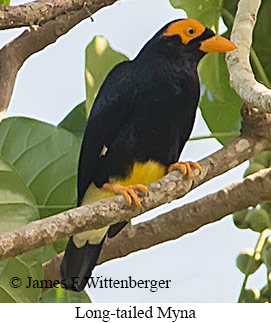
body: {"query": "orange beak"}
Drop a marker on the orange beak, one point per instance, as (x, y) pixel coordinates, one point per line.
(217, 44)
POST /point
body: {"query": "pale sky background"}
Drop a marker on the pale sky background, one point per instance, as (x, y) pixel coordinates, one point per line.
(200, 265)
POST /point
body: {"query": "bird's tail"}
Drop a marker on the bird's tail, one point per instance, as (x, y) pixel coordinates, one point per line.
(78, 263)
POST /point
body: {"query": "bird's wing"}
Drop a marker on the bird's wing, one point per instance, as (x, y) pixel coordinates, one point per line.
(110, 110)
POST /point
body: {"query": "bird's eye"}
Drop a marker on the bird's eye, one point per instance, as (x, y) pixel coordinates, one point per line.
(191, 31)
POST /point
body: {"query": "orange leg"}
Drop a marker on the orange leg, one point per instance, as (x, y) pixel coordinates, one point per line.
(185, 168)
(127, 191)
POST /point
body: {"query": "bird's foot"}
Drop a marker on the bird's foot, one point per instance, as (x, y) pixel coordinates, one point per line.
(127, 191)
(185, 168)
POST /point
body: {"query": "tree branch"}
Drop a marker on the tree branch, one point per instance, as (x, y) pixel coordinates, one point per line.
(14, 54)
(180, 221)
(190, 217)
(113, 210)
(242, 78)
(39, 12)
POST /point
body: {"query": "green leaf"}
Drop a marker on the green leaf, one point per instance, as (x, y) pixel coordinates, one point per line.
(39, 152)
(262, 41)
(48, 252)
(16, 270)
(60, 295)
(247, 263)
(220, 105)
(60, 245)
(76, 120)
(228, 12)
(239, 219)
(46, 158)
(266, 293)
(266, 253)
(37, 175)
(4, 2)
(258, 219)
(205, 11)
(100, 59)
(250, 296)
(17, 207)
(17, 204)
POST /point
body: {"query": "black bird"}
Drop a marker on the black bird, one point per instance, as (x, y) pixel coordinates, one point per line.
(140, 121)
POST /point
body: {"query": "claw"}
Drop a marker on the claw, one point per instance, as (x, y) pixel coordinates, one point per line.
(185, 168)
(127, 191)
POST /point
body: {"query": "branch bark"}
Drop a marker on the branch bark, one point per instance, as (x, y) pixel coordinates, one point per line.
(39, 12)
(113, 210)
(242, 78)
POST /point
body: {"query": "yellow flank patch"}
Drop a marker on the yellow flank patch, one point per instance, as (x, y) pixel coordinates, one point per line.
(142, 173)
(187, 29)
